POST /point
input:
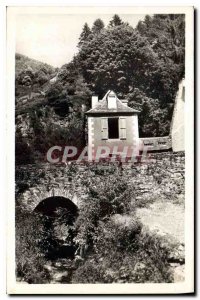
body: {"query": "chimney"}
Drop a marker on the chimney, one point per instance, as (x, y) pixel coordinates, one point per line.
(94, 101)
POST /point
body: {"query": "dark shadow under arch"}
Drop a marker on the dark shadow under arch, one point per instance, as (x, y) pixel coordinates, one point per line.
(59, 210)
(49, 205)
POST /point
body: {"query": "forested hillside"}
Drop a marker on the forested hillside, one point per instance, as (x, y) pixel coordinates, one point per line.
(143, 64)
(31, 73)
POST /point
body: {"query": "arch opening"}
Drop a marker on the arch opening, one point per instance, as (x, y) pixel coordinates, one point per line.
(49, 206)
(58, 216)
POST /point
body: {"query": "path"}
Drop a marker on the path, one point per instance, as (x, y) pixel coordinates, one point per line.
(164, 217)
(168, 220)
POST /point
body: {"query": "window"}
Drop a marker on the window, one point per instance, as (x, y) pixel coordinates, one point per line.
(113, 128)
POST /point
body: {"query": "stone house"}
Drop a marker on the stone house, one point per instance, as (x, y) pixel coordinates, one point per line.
(112, 123)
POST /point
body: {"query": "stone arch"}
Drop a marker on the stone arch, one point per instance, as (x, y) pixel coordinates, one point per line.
(31, 198)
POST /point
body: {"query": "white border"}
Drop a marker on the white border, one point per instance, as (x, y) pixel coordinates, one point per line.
(19, 288)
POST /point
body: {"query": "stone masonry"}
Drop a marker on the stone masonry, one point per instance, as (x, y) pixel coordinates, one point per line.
(161, 176)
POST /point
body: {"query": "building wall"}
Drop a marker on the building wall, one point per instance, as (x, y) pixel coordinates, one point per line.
(177, 127)
(95, 136)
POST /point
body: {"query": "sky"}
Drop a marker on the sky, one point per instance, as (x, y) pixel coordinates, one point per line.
(53, 39)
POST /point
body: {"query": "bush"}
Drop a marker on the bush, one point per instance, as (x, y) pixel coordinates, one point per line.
(116, 247)
(124, 254)
(31, 238)
(23, 152)
(107, 197)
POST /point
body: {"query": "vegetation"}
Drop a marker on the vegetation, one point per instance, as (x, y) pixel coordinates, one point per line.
(31, 74)
(113, 249)
(108, 245)
(144, 65)
(31, 237)
(124, 254)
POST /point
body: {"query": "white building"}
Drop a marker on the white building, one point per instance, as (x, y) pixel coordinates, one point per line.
(177, 126)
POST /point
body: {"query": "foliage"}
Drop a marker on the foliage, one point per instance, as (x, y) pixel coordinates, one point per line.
(58, 99)
(84, 34)
(116, 21)
(166, 34)
(114, 247)
(108, 196)
(30, 73)
(46, 132)
(97, 27)
(31, 237)
(143, 65)
(49, 134)
(75, 85)
(39, 238)
(23, 62)
(124, 254)
(23, 151)
(123, 59)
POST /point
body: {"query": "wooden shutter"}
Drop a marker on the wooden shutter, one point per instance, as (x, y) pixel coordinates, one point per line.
(122, 128)
(104, 128)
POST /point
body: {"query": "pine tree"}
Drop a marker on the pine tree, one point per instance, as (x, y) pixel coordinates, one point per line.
(84, 35)
(98, 25)
(116, 21)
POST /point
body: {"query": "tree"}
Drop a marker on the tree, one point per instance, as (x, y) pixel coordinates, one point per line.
(116, 21)
(23, 151)
(117, 58)
(123, 59)
(84, 35)
(166, 34)
(98, 25)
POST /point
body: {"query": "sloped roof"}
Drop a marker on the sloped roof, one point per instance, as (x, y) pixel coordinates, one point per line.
(102, 106)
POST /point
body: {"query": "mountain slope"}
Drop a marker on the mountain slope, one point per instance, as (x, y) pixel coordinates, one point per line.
(22, 63)
(31, 74)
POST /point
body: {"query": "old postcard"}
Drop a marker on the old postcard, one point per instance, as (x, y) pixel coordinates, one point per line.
(101, 150)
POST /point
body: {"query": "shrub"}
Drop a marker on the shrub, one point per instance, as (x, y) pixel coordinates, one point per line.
(23, 152)
(30, 239)
(125, 254)
(109, 196)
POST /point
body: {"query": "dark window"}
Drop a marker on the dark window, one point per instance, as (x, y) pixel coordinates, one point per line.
(113, 128)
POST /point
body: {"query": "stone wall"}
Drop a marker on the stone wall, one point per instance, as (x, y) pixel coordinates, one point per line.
(161, 176)
(163, 143)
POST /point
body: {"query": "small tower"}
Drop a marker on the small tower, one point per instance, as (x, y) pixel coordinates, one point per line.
(112, 123)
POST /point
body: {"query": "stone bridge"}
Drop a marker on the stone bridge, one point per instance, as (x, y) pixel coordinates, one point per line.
(34, 183)
(161, 175)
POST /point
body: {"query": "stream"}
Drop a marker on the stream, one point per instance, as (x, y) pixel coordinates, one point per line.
(60, 270)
